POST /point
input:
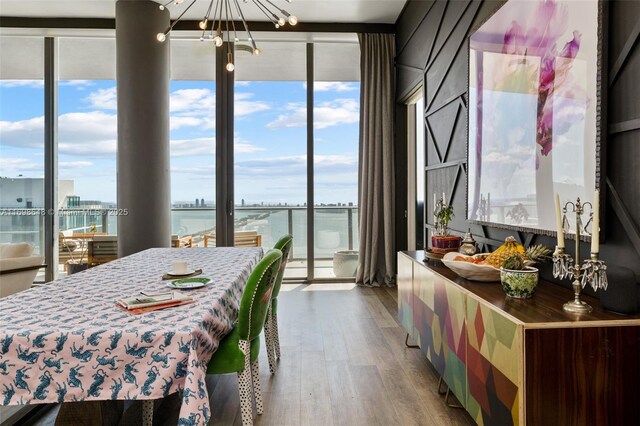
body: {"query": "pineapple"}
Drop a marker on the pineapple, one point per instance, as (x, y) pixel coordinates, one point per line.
(510, 247)
(537, 253)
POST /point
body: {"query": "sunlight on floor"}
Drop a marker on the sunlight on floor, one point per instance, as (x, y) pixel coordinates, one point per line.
(330, 287)
(290, 287)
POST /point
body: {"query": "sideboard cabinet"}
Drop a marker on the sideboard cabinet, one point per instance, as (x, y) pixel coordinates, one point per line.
(512, 361)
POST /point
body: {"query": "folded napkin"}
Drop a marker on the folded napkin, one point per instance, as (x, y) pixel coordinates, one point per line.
(177, 277)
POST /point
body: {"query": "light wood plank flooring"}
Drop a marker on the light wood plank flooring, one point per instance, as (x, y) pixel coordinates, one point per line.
(344, 362)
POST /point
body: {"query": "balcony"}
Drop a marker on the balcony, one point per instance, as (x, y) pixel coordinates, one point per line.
(336, 228)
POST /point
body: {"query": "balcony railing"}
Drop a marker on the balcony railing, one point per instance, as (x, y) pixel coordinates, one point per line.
(336, 227)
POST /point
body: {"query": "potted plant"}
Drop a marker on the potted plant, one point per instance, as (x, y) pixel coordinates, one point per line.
(78, 265)
(441, 241)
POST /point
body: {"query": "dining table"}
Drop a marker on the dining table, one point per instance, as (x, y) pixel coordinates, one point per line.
(67, 340)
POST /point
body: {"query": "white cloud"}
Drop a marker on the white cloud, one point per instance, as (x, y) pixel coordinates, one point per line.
(207, 146)
(332, 86)
(23, 133)
(244, 106)
(67, 165)
(177, 122)
(295, 166)
(79, 84)
(79, 133)
(193, 101)
(35, 84)
(326, 114)
(193, 147)
(104, 99)
(13, 166)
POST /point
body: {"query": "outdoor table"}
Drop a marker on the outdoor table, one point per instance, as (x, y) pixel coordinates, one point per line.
(68, 341)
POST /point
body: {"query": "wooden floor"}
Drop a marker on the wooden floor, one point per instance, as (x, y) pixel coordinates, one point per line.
(344, 362)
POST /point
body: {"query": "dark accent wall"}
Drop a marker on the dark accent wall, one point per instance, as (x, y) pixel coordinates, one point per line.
(432, 47)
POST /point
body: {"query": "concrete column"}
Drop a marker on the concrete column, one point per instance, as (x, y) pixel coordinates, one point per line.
(143, 74)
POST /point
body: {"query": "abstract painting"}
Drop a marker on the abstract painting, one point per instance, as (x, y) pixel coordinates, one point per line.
(534, 130)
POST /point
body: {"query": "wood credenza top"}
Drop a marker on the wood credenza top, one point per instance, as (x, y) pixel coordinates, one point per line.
(543, 310)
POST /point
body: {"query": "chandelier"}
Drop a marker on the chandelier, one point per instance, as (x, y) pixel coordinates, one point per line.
(220, 21)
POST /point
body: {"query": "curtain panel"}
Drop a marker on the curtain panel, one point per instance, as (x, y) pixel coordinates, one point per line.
(376, 177)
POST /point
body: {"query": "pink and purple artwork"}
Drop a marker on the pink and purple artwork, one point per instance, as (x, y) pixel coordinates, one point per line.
(533, 100)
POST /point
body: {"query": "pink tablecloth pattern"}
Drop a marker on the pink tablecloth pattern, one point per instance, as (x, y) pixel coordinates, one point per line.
(67, 341)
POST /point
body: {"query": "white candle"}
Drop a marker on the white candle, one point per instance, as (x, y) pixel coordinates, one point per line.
(595, 233)
(435, 208)
(444, 200)
(559, 223)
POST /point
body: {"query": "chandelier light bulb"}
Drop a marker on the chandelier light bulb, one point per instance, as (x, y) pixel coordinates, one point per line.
(257, 51)
(236, 39)
(203, 24)
(217, 40)
(281, 22)
(161, 37)
(293, 20)
(201, 38)
(277, 25)
(161, 7)
(230, 66)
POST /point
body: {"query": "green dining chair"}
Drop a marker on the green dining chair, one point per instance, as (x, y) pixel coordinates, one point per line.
(272, 338)
(238, 351)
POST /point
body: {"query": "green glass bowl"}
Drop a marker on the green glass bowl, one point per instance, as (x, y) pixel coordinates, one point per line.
(188, 283)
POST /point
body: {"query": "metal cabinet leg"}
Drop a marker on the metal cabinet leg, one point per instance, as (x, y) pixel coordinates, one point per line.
(406, 343)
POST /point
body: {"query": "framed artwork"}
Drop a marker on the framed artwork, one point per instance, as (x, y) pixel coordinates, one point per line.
(537, 112)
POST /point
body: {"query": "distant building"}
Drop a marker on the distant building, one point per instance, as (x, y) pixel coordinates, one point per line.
(26, 193)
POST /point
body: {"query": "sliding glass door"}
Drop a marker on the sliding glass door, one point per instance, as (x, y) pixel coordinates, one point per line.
(270, 148)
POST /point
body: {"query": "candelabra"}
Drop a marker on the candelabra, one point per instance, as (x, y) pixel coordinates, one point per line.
(593, 271)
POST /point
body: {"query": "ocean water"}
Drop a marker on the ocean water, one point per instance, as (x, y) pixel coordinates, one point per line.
(331, 227)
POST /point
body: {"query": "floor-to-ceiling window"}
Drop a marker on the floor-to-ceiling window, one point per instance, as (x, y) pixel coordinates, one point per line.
(192, 134)
(22, 141)
(87, 142)
(336, 120)
(272, 142)
(270, 147)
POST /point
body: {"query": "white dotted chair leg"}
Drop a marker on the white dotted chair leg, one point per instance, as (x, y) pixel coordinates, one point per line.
(147, 412)
(276, 337)
(257, 389)
(269, 343)
(244, 385)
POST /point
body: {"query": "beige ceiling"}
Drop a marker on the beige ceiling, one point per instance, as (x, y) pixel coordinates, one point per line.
(364, 11)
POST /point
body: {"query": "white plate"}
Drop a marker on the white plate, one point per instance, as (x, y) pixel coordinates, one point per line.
(175, 274)
(471, 271)
(189, 283)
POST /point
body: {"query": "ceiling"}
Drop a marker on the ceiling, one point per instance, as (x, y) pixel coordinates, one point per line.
(361, 11)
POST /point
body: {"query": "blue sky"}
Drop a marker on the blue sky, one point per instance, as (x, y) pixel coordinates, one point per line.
(270, 139)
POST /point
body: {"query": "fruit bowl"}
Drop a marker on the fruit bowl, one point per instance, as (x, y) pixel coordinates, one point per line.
(471, 271)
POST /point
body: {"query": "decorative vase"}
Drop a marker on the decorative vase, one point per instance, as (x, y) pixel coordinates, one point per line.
(519, 283)
(345, 263)
(468, 246)
(445, 243)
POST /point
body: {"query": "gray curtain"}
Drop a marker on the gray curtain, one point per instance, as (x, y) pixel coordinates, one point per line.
(376, 167)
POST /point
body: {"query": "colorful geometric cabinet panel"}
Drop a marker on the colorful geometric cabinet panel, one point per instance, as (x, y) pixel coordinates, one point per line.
(439, 318)
(493, 350)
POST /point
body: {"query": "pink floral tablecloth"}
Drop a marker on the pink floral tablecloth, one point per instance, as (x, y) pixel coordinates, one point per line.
(67, 341)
